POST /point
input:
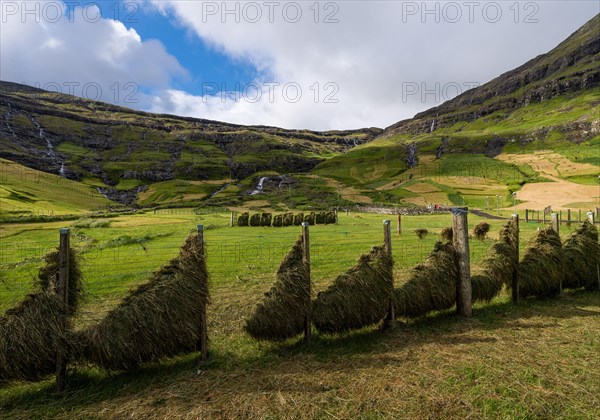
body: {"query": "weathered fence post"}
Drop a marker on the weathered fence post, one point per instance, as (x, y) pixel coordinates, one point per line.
(387, 240)
(568, 216)
(231, 220)
(544, 216)
(555, 228)
(515, 274)
(399, 224)
(526, 215)
(336, 216)
(63, 295)
(555, 223)
(306, 258)
(597, 213)
(579, 220)
(560, 218)
(460, 240)
(203, 339)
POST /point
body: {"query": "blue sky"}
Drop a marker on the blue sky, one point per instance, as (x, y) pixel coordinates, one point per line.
(325, 65)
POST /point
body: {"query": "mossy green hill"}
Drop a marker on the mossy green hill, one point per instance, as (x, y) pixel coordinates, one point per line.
(535, 124)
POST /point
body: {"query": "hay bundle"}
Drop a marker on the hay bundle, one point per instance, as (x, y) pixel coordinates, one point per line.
(158, 319)
(265, 219)
(320, 218)
(358, 298)
(243, 219)
(33, 333)
(541, 270)
(330, 218)
(281, 313)
(481, 230)
(278, 220)
(498, 266)
(298, 219)
(288, 219)
(447, 234)
(432, 285)
(421, 233)
(310, 218)
(255, 220)
(582, 256)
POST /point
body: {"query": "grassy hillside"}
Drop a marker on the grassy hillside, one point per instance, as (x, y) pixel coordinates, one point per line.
(27, 192)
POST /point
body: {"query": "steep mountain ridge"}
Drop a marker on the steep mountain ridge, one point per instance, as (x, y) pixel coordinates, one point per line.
(574, 65)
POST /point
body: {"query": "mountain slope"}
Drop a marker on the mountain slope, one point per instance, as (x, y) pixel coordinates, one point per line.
(122, 148)
(466, 148)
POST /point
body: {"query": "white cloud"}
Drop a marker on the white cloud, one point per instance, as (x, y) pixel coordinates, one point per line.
(82, 55)
(379, 61)
(375, 53)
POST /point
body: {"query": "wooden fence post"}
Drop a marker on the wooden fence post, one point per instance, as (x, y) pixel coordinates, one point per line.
(597, 213)
(306, 258)
(560, 218)
(555, 223)
(526, 215)
(203, 339)
(568, 216)
(63, 295)
(544, 216)
(399, 224)
(231, 221)
(387, 240)
(555, 228)
(579, 220)
(460, 240)
(515, 274)
(336, 216)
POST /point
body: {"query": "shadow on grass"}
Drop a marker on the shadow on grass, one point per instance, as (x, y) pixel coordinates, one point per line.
(370, 347)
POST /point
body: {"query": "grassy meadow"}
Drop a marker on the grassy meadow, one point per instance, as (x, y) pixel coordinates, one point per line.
(535, 359)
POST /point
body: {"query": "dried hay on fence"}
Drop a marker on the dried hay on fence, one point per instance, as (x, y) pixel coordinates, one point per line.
(243, 219)
(298, 219)
(421, 233)
(281, 314)
(278, 220)
(310, 218)
(321, 218)
(358, 298)
(447, 234)
(161, 318)
(432, 284)
(481, 230)
(330, 218)
(582, 256)
(33, 333)
(265, 219)
(541, 270)
(498, 266)
(255, 220)
(288, 219)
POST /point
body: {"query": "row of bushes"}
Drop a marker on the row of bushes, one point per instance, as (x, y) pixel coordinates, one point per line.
(285, 219)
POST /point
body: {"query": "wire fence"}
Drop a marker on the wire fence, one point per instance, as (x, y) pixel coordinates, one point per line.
(239, 260)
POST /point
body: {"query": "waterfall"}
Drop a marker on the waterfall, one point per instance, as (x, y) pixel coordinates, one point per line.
(432, 126)
(259, 187)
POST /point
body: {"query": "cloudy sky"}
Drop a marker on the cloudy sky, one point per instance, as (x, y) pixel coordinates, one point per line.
(304, 64)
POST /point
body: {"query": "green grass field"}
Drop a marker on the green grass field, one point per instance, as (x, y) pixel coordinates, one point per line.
(535, 359)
